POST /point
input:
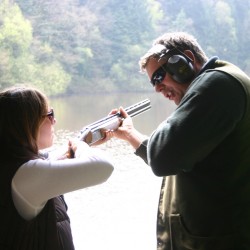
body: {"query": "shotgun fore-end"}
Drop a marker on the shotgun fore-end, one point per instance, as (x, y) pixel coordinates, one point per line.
(96, 131)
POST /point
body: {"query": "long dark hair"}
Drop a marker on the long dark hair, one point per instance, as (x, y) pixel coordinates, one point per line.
(22, 110)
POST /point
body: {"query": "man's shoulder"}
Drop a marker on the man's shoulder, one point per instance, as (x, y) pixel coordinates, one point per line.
(231, 69)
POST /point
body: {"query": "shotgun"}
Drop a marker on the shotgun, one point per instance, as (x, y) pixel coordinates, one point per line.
(96, 130)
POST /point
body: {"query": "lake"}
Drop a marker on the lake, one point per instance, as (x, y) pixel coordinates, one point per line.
(75, 112)
(119, 214)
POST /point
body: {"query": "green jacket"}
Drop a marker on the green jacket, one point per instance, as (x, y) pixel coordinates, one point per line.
(203, 153)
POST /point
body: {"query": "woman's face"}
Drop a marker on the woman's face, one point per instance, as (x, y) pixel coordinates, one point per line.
(46, 131)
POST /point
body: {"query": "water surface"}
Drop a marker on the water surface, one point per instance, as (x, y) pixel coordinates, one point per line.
(119, 214)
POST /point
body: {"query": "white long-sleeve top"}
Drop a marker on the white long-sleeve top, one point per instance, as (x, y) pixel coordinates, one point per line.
(37, 181)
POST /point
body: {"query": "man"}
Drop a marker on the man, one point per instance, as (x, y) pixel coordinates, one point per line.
(202, 150)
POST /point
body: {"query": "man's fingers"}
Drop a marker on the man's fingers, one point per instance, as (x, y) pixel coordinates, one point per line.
(123, 112)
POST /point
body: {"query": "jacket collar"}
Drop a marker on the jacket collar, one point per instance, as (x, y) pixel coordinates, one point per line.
(210, 64)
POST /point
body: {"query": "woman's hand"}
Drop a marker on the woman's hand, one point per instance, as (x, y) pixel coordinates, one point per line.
(76, 148)
(71, 150)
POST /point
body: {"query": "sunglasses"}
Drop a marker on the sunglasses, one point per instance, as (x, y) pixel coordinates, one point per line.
(159, 75)
(51, 115)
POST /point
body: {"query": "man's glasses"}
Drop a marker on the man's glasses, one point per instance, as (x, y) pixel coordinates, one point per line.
(51, 115)
(159, 75)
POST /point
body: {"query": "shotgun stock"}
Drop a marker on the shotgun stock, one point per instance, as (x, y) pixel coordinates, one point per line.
(96, 130)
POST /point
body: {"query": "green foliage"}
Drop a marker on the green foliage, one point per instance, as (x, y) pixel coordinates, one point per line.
(18, 64)
(16, 31)
(52, 79)
(79, 46)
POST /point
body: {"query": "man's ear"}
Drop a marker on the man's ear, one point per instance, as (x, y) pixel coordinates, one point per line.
(196, 65)
(189, 54)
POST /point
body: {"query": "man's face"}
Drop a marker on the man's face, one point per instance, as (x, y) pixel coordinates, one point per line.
(171, 89)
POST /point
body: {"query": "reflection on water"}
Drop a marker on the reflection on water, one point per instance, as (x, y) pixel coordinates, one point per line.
(120, 213)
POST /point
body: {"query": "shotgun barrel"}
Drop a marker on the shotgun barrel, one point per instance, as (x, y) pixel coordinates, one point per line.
(96, 130)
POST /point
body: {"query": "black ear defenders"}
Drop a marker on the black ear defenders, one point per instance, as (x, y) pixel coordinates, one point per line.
(178, 65)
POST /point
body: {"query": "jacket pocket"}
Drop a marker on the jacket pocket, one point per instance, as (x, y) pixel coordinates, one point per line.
(183, 240)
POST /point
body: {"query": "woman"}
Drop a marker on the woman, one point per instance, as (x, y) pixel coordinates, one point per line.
(32, 207)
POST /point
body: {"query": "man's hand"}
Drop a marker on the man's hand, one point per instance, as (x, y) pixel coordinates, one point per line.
(126, 131)
(121, 131)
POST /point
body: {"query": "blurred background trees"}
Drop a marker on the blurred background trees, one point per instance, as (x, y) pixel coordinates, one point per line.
(88, 46)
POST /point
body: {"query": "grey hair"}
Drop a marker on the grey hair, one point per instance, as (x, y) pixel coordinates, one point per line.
(180, 40)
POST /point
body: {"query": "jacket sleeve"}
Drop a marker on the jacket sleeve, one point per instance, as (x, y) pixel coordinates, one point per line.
(142, 151)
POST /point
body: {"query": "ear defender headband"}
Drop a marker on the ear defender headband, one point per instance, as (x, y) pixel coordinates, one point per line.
(178, 64)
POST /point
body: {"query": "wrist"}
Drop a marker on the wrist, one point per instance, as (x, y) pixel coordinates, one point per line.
(135, 138)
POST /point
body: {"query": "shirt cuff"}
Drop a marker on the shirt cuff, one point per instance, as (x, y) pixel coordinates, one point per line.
(141, 151)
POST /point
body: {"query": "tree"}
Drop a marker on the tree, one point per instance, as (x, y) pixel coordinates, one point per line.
(98, 46)
(18, 65)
